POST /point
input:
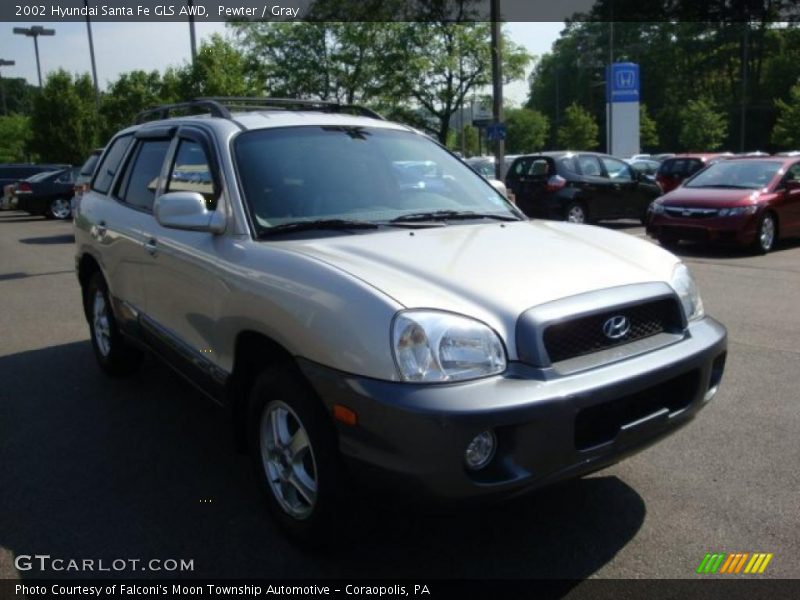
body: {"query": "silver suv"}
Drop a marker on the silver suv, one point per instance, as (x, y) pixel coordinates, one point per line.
(375, 313)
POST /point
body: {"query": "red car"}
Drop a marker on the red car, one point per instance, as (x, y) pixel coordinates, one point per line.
(751, 201)
(673, 171)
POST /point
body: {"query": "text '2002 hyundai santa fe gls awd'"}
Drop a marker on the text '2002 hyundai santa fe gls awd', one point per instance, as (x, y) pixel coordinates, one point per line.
(375, 313)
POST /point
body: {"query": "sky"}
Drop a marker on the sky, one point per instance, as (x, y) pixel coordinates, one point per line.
(121, 47)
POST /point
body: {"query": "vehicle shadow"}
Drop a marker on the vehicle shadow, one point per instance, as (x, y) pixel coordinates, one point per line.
(705, 250)
(621, 225)
(19, 218)
(146, 468)
(66, 238)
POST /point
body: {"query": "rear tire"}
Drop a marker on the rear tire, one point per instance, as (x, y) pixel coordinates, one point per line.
(60, 209)
(576, 213)
(766, 234)
(114, 355)
(293, 445)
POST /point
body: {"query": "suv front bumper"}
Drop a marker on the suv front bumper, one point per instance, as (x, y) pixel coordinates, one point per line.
(412, 437)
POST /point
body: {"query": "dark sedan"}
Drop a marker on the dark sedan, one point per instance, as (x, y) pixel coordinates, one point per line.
(752, 201)
(47, 194)
(580, 187)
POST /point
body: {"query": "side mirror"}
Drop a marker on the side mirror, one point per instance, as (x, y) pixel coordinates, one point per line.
(499, 186)
(187, 211)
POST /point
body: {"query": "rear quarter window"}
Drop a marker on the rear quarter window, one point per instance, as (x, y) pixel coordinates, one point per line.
(107, 169)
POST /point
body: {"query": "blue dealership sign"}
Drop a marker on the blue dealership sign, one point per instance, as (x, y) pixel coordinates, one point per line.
(622, 82)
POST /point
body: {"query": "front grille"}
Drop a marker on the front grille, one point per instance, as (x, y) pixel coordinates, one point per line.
(601, 423)
(691, 213)
(585, 335)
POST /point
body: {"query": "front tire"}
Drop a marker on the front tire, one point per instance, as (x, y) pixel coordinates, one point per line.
(60, 209)
(766, 234)
(114, 355)
(293, 445)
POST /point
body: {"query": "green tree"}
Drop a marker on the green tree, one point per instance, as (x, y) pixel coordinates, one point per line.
(220, 69)
(648, 130)
(64, 123)
(703, 127)
(786, 132)
(579, 130)
(342, 62)
(15, 135)
(526, 130)
(130, 94)
(438, 64)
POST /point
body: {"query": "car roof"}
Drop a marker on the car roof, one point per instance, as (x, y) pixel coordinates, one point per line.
(268, 119)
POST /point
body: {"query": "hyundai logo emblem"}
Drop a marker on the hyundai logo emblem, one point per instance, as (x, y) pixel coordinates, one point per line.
(616, 327)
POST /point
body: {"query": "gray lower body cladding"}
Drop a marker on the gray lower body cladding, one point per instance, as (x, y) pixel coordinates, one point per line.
(412, 437)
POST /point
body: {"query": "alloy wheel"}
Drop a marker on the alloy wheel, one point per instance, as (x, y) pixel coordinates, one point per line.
(288, 460)
(60, 208)
(101, 327)
(766, 233)
(576, 214)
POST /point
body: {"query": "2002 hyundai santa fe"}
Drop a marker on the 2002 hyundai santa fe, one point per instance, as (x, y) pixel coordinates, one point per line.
(375, 312)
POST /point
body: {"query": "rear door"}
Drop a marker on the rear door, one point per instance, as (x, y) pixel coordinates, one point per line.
(595, 187)
(626, 199)
(516, 176)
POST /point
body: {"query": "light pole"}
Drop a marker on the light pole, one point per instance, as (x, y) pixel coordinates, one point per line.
(35, 32)
(497, 89)
(192, 38)
(5, 63)
(91, 54)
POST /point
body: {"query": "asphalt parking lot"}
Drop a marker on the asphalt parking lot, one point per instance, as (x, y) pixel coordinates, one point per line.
(146, 468)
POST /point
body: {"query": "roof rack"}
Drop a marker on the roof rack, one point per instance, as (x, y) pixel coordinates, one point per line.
(163, 111)
(221, 106)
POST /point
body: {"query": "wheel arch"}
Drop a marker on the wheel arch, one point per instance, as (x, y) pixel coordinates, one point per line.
(253, 351)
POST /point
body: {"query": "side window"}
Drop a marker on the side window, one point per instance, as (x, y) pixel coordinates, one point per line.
(191, 172)
(793, 173)
(539, 168)
(617, 170)
(568, 163)
(66, 177)
(518, 169)
(139, 189)
(589, 165)
(104, 174)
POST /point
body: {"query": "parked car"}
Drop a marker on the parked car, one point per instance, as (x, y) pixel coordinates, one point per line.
(646, 167)
(752, 201)
(431, 341)
(482, 165)
(48, 194)
(580, 187)
(10, 174)
(662, 157)
(84, 176)
(673, 171)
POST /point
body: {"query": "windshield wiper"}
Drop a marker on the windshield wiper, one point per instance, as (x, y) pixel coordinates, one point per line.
(332, 224)
(446, 215)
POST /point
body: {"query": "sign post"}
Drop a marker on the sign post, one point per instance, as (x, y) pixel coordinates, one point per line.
(622, 109)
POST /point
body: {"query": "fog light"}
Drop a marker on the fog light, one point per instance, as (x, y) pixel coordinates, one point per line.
(480, 450)
(712, 391)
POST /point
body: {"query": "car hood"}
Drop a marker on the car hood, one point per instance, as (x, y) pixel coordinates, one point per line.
(684, 196)
(492, 272)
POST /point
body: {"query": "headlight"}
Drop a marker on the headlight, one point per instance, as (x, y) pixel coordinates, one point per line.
(430, 345)
(656, 207)
(683, 284)
(738, 211)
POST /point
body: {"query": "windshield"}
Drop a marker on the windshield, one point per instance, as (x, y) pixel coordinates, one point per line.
(371, 175)
(745, 174)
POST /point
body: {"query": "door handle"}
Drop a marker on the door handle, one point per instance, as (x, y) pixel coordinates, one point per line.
(151, 246)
